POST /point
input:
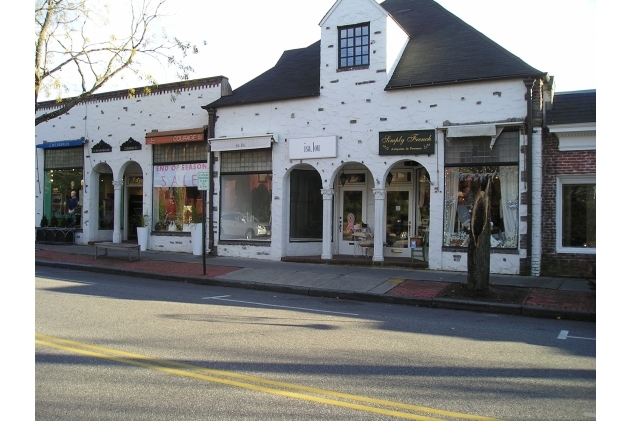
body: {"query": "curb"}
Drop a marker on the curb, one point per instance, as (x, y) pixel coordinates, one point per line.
(438, 303)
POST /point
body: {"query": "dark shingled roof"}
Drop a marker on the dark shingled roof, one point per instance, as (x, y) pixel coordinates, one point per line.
(295, 75)
(573, 107)
(442, 49)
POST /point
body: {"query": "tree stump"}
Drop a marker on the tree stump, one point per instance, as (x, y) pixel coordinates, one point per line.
(479, 249)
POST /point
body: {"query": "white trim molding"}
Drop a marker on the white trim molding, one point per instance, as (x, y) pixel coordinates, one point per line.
(575, 137)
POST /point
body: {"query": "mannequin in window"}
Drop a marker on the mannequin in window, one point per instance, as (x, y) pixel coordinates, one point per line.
(73, 202)
(463, 211)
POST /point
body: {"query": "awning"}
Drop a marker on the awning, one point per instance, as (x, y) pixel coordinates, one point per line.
(478, 130)
(174, 136)
(471, 131)
(61, 144)
(220, 144)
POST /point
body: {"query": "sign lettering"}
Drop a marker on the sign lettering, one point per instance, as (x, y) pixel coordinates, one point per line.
(420, 142)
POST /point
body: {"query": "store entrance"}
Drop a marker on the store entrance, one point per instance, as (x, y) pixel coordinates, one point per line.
(352, 215)
(133, 205)
(398, 222)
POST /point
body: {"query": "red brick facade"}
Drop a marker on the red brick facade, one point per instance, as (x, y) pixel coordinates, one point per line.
(557, 163)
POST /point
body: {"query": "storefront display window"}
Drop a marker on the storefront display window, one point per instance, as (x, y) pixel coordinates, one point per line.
(246, 195)
(463, 182)
(63, 187)
(175, 192)
(305, 208)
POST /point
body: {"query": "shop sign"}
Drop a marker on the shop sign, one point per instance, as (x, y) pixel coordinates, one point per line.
(131, 145)
(203, 180)
(240, 143)
(409, 142)
(101, 147)
(313, 147)
(178, 175)
(61, 144)
(157, 138)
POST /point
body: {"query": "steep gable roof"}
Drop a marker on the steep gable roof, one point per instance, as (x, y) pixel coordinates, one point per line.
(295, 75)
(442, 49)
(573, 108)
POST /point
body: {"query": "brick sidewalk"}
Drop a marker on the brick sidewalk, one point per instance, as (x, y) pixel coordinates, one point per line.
(148, 266)
(536, 298)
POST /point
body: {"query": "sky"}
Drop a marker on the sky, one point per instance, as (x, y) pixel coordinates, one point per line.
(240, 39)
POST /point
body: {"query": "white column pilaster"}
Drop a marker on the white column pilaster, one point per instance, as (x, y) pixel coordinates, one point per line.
(116, 237)
(327, 211)
(378, 231)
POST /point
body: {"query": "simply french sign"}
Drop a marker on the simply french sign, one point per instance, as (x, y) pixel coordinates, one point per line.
(409, 142)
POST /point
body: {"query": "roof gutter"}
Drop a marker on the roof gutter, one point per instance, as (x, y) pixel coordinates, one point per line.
(451, 82)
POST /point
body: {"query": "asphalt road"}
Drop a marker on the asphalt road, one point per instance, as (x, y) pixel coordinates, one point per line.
(117, 348)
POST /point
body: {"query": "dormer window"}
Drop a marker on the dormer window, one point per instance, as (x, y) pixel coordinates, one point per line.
(354, 46)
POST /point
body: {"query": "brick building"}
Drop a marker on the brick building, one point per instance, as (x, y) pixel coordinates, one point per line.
(569, 186)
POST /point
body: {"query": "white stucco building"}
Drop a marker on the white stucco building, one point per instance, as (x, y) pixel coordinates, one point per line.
(123, 155)
(370, 143)
(388, 124)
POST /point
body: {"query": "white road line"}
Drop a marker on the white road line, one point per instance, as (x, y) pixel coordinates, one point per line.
(223, 298)
(564, 335)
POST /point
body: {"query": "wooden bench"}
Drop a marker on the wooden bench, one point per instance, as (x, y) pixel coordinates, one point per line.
(116, 246)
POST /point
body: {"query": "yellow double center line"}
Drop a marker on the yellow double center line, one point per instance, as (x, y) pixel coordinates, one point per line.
(254, 383)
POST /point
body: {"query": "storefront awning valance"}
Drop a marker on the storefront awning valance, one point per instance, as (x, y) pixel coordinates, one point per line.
(478, 130)
(61, 144)
(221, 144)
(174, 136)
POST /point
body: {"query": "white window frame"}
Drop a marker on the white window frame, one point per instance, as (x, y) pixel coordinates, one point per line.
(563, 180)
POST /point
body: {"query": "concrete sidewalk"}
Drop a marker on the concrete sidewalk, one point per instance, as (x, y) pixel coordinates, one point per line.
(565, 298)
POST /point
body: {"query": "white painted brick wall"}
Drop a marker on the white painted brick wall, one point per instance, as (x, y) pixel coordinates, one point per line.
(374, 110)
(115, 121)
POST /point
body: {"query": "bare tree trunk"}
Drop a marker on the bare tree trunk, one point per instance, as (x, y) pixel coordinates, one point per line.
(479, 250)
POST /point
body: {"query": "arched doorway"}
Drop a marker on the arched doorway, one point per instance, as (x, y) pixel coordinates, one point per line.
(407, 207)
(132, 199)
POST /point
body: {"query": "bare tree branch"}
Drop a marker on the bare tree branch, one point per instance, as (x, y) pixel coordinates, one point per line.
(67, 59)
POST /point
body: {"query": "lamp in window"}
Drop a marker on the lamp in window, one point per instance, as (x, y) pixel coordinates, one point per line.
(343, 178)
(389, 178)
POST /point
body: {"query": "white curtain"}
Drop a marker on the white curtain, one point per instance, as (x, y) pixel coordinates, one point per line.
(509, 185)
(452, 177)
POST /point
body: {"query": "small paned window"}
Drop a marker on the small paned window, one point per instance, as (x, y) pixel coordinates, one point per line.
(171, 153)
(63, 158)
(477, 150)
(354, 46)
(246, 161)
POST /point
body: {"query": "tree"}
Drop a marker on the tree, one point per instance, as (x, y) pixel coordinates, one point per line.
(479, 248)
(66, 54)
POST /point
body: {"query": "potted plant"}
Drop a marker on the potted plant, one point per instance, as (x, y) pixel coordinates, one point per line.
(196, 231)
(142, 229)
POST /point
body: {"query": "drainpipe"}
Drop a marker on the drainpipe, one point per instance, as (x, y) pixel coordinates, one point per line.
(529, 168)
(210, 133)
